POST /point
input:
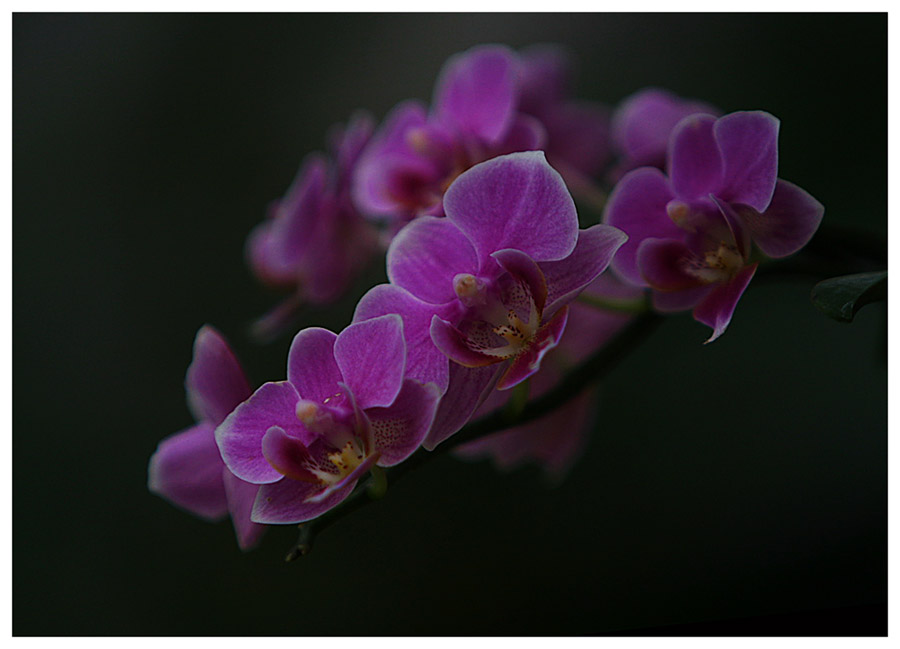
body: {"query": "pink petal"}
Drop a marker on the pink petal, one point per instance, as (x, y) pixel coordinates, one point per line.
(637, 206)
(240, 436)
(215, 382)
(748, 141)
(593, 253)
(286, 501)
(426, 255)
(514, 201)
(454, 345)
(788, 224)
(423, 360)
(311, 366)
(476, 92)
(240, 496)
(717, 308)
(694, 163)
(186, 470)
(401, 428)
(467, 390)
(372, 358)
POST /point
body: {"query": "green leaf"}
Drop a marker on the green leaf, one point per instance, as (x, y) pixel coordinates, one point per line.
(841, 297)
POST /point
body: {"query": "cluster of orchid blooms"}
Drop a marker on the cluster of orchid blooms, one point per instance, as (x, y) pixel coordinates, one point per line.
(472, 198)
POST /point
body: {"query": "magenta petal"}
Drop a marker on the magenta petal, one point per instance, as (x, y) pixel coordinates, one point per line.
(286, 501)
(514, 201)
(466, 391)
(749, 144)
(311, 366)
(240, 436)
(674, 301)
(186, 470)
(593, 252)
(453, 344)
(716, 310)
(662, 263)
(788, 224)
(240, 496)
(476, 92)
(424, 362)
(694, 162)
(523, 268)
(372, 358)
(637, 206)
(401, 428)
(529, 361)
(426, 255)
(215, 382)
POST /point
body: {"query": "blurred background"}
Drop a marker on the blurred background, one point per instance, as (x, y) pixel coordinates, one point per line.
(738, 487)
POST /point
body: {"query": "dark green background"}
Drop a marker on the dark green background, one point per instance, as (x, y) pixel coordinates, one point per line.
(734, 480)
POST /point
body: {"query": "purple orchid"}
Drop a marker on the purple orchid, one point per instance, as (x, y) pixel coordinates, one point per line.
(478, 112)
(690, 231)
(556, 440)
(187, 469)
(642, 123)
(345, 407)
(314, 242)
(487, 286)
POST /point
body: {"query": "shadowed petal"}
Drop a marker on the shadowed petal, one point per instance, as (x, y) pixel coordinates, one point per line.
(285, 502)
(748, 141)
(287, 455)
(215, 382)
(674, 301)
(401, 428)
(529, 361)
(525, 133)
(788, 224)
(577, 137)
(240, 436)
(694, 162)
(514, 201)
(476, 92)
(717, 308)
(544, 77)
(311, 366)
(467, 389)
(186, 470)
(426, 255)
(523, 267)
(593, 252)
(637, 206)
(372, 358)
(424, 362)
(454, 345)
(240, 496)
(662, 263)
